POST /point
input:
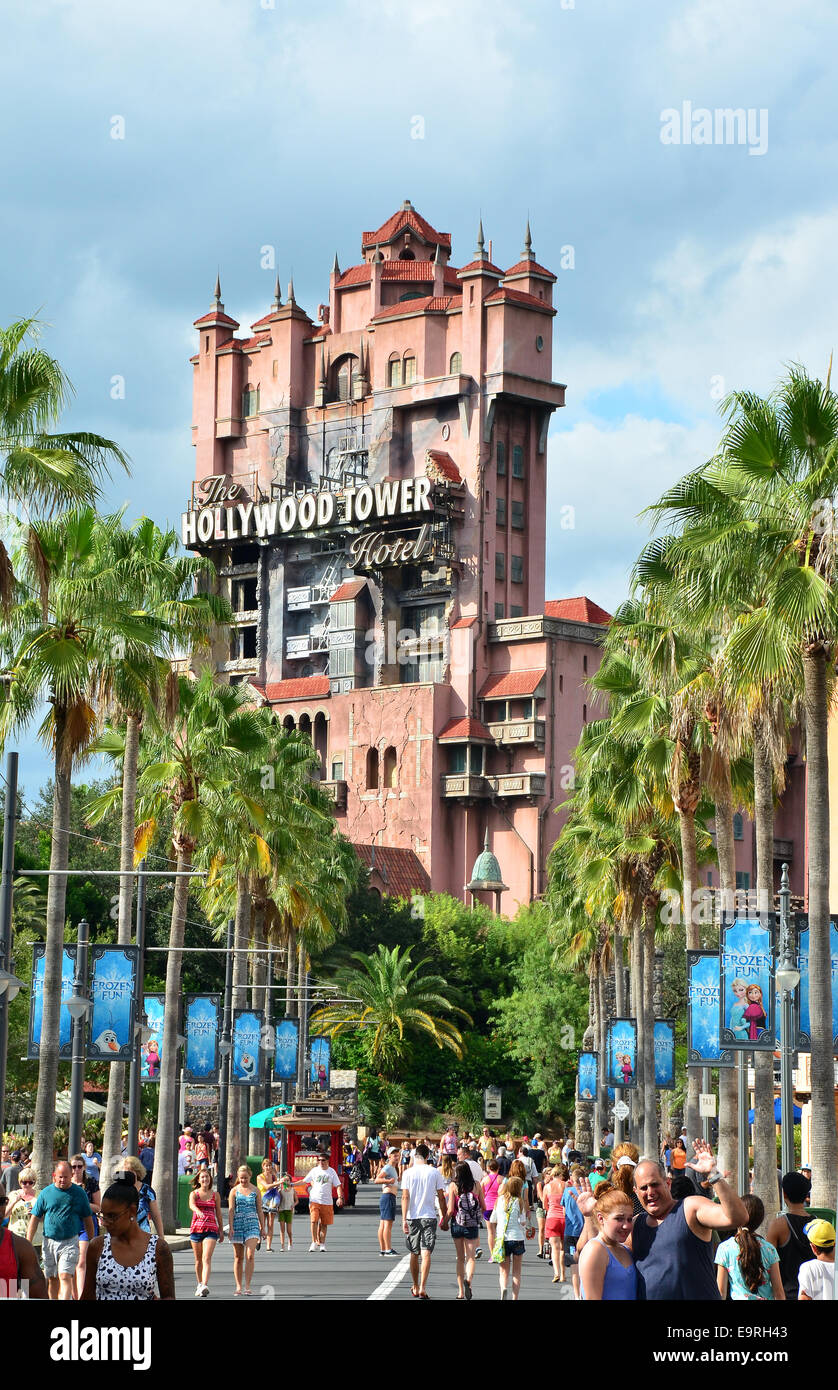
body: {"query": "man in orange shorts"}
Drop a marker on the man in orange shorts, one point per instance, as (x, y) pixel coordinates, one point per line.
(323, 1192)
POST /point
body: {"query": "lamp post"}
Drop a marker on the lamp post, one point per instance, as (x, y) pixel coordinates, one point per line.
(141, 1032)
(788, 978)
(78, 1007)
(225, 1047)
(6, 885)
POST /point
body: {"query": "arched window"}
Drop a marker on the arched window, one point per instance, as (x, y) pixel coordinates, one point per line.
(394, 371)
(455, 366)
(321, 738)
(406, 255)
(390, 767)
(343, 369)
(411, 294)
(305, 725)
(409, 368)
(372, 769)
(288, 724)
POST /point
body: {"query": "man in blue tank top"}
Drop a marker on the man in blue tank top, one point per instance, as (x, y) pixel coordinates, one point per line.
(672, 1241)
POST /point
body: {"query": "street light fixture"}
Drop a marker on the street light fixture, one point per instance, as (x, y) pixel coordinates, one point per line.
(788, 978)
(225, 1047)
(10, 985)
(77, 1006)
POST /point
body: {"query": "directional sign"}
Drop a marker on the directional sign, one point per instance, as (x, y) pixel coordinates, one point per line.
(621, 1110)
(707, 1106)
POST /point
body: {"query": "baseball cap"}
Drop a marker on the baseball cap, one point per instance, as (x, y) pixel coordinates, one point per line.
(600, 1163)
(820, 1233)
(393, 1150)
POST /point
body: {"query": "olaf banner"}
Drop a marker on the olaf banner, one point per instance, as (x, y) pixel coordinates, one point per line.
(704, 1011)
(802, 1023)
(665, 1054)
(202, 1024)
(587, 1075)
(287, 1035)
(246, 1068)
(113, 986)
(746, 983)
(36, 1003)
(621, 1053)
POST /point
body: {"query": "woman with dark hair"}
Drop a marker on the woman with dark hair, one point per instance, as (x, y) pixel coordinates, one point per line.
(748, 1262)
(465, 1203)
(125, 1263)
(83, 1177)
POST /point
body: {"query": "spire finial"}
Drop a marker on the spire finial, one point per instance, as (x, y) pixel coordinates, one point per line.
(290, 294)
(336, 267)
(277, 296)
(481, 244)
(217, 294)
(527, 252)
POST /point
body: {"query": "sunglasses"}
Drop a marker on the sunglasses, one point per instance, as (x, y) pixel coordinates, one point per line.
(76, 1165)
(26, 1182)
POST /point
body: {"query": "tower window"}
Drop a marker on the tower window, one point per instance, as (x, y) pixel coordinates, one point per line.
(517, 461)
(499, 610)
(585, 664)
(250, 401)
(501, 511)
(517, 569)
(206, 342)
(516, 611)
(517, 514)
(406, 255)
(500, 565)
(500, 456)
(584, 714)
(343, 377)
(738, 826)
(455, 366)
(390, 768)
(372, 769)
(394, 371)
(409, 370)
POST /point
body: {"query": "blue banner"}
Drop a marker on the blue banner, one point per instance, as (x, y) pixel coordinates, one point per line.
(151, 1052)
(587, 1075)
(112, 988)
(246, 1062)
(703, 1010)
(201, 1024)
(36, 1003)
(321, 1063)
(746, 982)
(803, 1030)
(621, 1053)
(665, 1054)
(285, 1054)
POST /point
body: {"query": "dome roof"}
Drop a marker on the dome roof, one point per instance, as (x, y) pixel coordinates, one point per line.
(486, 875)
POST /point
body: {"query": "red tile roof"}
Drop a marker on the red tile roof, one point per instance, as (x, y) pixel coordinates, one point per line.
(576, 610)
(428, 304)
(466, 728)
(244, 342)
(464, 622)
(444, 464)
(510, 683)
(351, 589)
(531, 268)
(355, 275)
(405, 217)
(400, 871)
(531, 301)
(267, 319)
(396, 270)
(296, 688)
(487, 266)
(214, 317)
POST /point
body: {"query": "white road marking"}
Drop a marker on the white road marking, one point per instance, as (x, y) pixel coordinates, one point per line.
(395, 1277)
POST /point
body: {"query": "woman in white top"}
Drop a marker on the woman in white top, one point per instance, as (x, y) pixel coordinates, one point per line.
(511, 1214)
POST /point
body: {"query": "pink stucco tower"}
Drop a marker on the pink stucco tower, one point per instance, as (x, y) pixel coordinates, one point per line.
(372, 486)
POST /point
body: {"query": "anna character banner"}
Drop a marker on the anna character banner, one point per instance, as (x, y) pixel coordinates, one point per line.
(621, 1053)
(746, 984)
(587, 1075)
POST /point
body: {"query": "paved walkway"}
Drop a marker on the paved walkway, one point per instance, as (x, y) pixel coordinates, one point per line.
(351, 1269)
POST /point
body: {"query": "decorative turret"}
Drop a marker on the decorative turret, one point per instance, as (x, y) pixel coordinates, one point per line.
(528, 277)
(360, 383)
(486, 875)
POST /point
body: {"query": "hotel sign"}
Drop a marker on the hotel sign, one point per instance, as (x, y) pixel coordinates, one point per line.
(225, 515)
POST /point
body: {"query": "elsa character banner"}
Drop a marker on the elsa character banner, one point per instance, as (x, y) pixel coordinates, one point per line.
(665, 1054)
(621, 1053)
(151, 1051)
(703, 1011)
(287, 1035)
(36, 1003)
(321, 1063)
(201, 1024)
(803, 1030)
(587, 1075)
(113, 986)
(746, 983)
(246, 1067)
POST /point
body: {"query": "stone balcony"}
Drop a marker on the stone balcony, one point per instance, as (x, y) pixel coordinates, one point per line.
(467, 786)
(460, 786)
(511, 732)
(519, 784)
(337, 791)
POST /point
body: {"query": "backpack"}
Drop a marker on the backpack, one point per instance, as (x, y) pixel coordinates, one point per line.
(467, 1210)
(574, 1221)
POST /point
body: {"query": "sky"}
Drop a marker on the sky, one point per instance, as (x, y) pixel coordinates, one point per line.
(160, 142)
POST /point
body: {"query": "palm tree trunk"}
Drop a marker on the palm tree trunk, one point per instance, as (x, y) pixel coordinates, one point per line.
(42, 1156)
(165, 1172)
(765, 1130)
(638, 1011)
(650, 1115)
(619, 975)
(257, 1138)
(824, 1140)
(241, 936)
(116, 1076)
(689, 880)
(728, 1088)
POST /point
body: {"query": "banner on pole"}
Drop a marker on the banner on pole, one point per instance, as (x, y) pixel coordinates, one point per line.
(665, 1054)
(246, 1061)
(202, 1024)
(151, 1052)
(587, 1075)
(621, 1053)
(802, 1024)
(321, 1062)
(287, 1036)
(36, 1002)
(113, 984)
(746, 984)
(704, 1011)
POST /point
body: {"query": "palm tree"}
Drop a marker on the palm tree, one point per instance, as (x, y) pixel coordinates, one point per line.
(394, 998)
(60, 640)
(41, 469)
(195, 761)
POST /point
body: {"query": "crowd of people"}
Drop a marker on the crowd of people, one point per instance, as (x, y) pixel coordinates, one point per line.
(622, 1228)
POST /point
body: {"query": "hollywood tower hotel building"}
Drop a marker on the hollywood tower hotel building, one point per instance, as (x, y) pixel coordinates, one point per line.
(372, 488)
